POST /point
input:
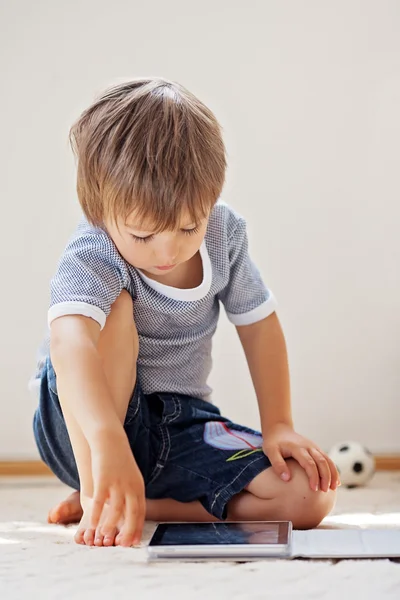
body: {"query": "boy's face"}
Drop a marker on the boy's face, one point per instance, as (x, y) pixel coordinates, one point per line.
(157, 253)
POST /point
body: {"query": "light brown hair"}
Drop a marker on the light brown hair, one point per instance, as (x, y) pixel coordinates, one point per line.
(149, 146)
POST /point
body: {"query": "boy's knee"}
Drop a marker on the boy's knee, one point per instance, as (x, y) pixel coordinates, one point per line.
(311, 509)
(305, 507)
(295, 500)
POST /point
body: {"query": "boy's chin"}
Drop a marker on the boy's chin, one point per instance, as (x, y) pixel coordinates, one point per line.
(158, 270)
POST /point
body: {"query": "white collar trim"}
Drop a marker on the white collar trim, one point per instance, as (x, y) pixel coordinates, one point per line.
(191, 294)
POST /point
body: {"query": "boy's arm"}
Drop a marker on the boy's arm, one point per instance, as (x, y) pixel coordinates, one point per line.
(265, 349)
(82, 387)
(80, 375)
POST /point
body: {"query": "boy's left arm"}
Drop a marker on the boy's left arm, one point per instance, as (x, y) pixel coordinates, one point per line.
(265, 349)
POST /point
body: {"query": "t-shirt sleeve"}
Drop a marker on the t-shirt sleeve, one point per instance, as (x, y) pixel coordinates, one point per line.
(246, 298)
(89, 278)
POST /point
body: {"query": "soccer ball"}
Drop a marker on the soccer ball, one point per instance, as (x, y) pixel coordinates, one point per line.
(355, 464)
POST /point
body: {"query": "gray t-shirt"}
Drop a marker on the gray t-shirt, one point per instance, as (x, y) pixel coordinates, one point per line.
(175, 326)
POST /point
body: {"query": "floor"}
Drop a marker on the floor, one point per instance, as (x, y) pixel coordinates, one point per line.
(37, 559)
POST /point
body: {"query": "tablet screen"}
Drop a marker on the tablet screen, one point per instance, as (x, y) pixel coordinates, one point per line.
(195, 534)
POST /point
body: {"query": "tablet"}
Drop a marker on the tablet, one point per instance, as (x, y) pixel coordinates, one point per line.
(221, 540)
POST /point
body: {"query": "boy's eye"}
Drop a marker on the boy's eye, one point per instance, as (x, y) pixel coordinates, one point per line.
(148, 238)
(190, 231)
(142, 240)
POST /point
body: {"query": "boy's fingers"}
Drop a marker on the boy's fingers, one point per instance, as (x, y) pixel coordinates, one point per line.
(127, 533)
(114, 513)
(323, 468)
(97, 508)
(335, 477)
(140, 519)
(79, 536)
(98, 537)
(131, 532)
(278, 463)
(306, 461)
(88, 537)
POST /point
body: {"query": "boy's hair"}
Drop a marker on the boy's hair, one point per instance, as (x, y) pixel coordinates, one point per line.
(149, 146)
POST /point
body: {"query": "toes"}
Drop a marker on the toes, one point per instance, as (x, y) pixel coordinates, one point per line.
(58, 513)
(53, 516)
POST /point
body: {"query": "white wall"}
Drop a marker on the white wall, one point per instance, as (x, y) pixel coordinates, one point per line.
(308, 94)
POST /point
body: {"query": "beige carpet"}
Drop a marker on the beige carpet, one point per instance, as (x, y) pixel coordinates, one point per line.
(41, 561)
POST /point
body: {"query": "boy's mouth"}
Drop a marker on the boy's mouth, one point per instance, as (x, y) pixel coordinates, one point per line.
(165, 267)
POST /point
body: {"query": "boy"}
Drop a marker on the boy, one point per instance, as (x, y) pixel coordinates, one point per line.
(124, 414)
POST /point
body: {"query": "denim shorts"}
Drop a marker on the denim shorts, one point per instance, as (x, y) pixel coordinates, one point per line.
(184, 448)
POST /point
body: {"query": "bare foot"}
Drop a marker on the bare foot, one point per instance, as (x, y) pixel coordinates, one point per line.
(87, 536)
(68, 511)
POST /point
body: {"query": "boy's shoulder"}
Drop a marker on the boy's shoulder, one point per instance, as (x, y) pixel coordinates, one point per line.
(225, 219)
(90, 232)
(88, 238)
(90, 246)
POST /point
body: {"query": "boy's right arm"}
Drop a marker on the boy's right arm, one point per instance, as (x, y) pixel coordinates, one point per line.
(83, 390)
(80, 376)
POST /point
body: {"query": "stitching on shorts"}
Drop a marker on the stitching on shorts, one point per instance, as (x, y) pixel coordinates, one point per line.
(131, 417)
(168, 443)
(169, 418)
(166, 447)
(205, 477)
(177, 412)
(165, 439)
(224, 489)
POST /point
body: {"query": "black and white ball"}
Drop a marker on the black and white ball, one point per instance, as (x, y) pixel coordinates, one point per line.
(355, 463)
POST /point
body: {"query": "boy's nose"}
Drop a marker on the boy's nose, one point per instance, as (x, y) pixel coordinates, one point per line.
(167, 257)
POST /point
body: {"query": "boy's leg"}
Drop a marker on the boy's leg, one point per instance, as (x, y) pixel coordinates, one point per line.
(118, 347)
(266, 498)
(269, 498)
(216, 469)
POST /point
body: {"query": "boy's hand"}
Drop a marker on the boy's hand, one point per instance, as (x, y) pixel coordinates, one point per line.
(282, 442)
(118, 481)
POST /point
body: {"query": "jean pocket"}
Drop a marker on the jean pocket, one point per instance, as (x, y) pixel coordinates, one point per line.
(172, 409)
